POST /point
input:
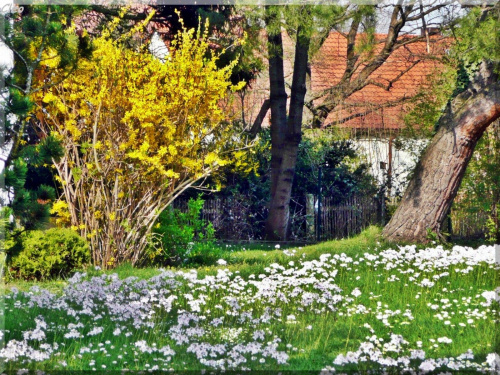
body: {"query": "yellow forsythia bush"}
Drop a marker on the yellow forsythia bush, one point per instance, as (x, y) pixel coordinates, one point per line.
(136, 131)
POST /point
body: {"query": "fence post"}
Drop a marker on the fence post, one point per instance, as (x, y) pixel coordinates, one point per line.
(450, 225)
(318, 229)
(382, 205)
(310, 230)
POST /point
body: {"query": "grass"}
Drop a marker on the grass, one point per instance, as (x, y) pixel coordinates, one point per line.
(247, 258)
(311, 334)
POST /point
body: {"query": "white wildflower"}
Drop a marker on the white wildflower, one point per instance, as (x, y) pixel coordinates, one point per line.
(427, 366)
(221, 262)
(445, 340)
(356, 292)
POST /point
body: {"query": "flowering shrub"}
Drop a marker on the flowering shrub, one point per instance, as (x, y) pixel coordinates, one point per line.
(399, 310)
(136, 132)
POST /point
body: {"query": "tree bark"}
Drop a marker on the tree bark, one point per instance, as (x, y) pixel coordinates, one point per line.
(257, 124)
(285, 132)
(438, 174)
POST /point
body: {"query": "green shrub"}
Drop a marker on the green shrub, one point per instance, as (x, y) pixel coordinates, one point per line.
(246, 191)
(49, 254)
(478, 200)
(205, 254)
(181, 237)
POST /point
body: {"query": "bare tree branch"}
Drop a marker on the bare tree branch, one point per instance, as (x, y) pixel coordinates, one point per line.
(368, 111)
(390, 83)
(422, 14)
(257, 124)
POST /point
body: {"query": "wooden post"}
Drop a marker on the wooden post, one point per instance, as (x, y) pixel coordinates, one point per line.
(310, 215)
(318, 229)
(389, 167)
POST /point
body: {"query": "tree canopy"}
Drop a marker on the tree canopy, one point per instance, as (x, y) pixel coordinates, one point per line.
(473, 106)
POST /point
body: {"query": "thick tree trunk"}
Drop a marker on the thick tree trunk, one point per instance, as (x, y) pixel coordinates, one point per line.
(285, 132)
(277, 99)
(437, 176)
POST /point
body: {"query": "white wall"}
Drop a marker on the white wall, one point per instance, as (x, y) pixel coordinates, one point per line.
(404, 159)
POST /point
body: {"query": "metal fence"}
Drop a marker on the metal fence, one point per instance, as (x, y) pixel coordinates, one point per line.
(349, 217)
(237, 219)
(467, 225)
(232, 218)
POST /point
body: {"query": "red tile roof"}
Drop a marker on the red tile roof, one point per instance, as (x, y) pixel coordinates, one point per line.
(411, 62)
(327, 68)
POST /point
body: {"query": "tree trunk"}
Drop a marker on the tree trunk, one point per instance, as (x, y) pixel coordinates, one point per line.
(438, 174)
(285, 133)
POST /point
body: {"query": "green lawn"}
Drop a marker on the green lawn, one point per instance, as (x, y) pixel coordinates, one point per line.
(301, 308)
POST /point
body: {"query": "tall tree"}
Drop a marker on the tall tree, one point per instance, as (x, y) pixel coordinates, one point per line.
(285, 132)
(429, 196)
(438, 175)
(364, 57)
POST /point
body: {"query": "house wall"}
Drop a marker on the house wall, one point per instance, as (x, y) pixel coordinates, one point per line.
(404, 156)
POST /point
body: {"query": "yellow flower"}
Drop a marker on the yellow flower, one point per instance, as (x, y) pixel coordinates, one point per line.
(159, 123)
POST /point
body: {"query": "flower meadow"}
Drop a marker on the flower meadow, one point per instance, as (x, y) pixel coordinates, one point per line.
(402, 310)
